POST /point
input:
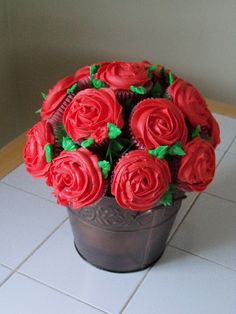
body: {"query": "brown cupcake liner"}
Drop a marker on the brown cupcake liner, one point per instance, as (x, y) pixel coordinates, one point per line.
(125, 97)
(84, 84)
(57, 117)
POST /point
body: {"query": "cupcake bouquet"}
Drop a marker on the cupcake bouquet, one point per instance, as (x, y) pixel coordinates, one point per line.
(132, 131)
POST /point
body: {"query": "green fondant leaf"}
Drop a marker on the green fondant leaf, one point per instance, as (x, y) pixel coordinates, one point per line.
(93, 69)
(114, 131)
(68, 144)
(38, 110)
(176, 149)
(151, 70)
(159, 152)
(171, 78)
(167, 198)
(43, 95)
(138, 90)
(157, 90)
(48, 149)
(72, 88)
(196, 132)
(98, 83)
(87, 143)
(105, 167)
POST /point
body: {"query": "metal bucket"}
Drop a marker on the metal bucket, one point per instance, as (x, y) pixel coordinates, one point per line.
(120, 240)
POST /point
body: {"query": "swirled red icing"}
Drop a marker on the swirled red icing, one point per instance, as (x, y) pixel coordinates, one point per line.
(214, 130)
(190, 102)
(140, 180)
(197, 167)
(34, 155)
(55, 97)
(89, 112)
(76, 178)
(121, 75)
(156, 122)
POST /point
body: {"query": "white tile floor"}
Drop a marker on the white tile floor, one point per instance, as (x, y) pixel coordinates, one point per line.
(41, 273)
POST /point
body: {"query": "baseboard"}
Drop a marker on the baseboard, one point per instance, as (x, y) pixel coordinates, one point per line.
(11, 155)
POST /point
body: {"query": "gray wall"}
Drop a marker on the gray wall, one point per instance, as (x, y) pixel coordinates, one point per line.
(42, 41)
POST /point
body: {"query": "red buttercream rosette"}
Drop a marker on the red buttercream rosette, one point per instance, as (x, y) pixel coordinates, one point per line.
(190, 102)
(34, 154)
(197, 167)
(76, 178)
(55, 97)
(140, 180)
(121, 75)
(89, 112)
(156, 122)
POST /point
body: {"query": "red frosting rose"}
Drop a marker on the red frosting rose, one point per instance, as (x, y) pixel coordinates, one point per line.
(89, 112)
(34, 155)
(76, 178)
(121, 75)
(197, 167)
(189, 100)
(140, 180)
(157, 122)
(56, 96)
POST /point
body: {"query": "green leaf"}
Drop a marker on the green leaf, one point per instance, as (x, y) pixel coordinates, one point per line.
(151, 70)
(163, 74)
(105, 167)
(88, 142)
(93, 69)
(43, 95)
(72, 88)
(68, 144)
(48, 149)
(176, 149)
(114, 131)
(98, 83)
(196, 132)
(138, 90)
(171, 78)
(167, 198)
(157, 90)
(159, 152)
(38, 110)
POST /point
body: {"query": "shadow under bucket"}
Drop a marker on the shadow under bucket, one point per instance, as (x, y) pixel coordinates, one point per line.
(120, 240)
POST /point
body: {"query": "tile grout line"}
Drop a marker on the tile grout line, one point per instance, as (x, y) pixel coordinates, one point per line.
(14, 270)
(201, 257)
(60, 291)
(8, 267)
(219, 197)
(28, 192)
(135, 290)
(187, 212)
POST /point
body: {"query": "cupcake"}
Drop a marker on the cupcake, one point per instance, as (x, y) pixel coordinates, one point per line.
(56, 97)
(140, 180)
(129, 80)
(197, 167)
(38, 151)
(76, 178)
(157, 122)
(91, 113)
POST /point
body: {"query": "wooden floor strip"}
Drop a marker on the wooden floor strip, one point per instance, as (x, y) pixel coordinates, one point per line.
(11, 155)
